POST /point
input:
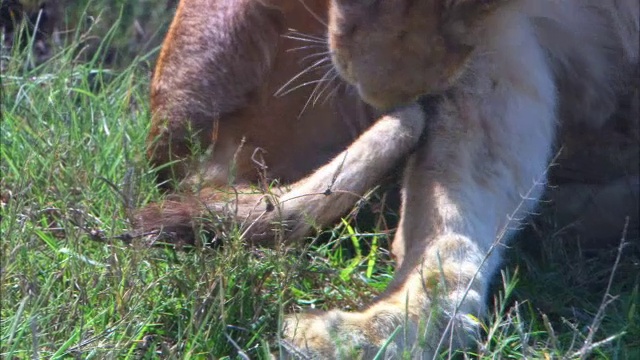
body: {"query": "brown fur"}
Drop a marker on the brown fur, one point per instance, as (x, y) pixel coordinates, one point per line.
(220, 65)
(213, 92)
(511, 77)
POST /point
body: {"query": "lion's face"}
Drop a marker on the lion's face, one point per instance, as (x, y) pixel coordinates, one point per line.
(394, 51)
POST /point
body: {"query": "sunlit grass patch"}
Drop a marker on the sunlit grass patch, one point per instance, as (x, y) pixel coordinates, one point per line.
(73, 171)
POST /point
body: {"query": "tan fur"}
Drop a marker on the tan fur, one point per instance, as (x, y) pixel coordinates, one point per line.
(504, 69)
(515, 81)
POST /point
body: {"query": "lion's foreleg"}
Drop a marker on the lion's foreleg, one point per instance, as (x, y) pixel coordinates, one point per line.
(466, 190)
(332, 190)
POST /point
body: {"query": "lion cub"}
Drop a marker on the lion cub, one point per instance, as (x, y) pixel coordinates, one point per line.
(511, 76)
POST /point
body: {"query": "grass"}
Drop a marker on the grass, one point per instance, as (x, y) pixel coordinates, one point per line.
(73, 169)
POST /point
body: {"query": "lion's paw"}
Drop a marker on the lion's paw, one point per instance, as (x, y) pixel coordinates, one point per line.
(382, 334)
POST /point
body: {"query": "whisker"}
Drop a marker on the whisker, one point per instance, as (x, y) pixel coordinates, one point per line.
(313, 13)
(333, 92)
(301, 73)
(300, 86)
(327, 77)
(315, 90)
(317, 36)
(311, 56)
(303, 39)
(325, 87)
(306, 47)
(300, 38)
(306, 35)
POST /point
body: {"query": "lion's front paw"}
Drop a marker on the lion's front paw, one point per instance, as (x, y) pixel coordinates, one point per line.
(325, 336)
(386, 334)
(384, 331)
